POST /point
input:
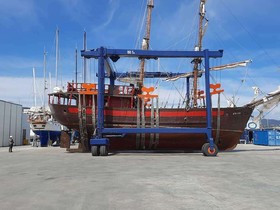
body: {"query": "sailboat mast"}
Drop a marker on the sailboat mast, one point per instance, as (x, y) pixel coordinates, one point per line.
(85, 61)
(198, 48)
(44, 92)
(57, 56)
(146, 40)
(76, 66)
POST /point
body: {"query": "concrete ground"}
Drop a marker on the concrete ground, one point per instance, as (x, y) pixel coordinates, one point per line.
(51, 178)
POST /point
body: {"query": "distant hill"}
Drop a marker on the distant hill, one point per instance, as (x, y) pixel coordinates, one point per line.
(270, 123)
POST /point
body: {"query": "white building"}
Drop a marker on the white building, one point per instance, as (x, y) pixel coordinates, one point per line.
(13, 123)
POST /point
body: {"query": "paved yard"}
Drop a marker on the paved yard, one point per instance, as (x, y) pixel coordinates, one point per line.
(51, 178)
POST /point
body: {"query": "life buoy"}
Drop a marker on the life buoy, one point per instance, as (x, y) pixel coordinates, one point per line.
(252, 125)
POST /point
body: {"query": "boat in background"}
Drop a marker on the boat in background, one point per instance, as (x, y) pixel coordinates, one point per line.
(43, 124)
(41, 121)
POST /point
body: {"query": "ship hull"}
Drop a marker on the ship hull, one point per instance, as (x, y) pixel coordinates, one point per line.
(48, 131)
(228, 125)
(46, 136)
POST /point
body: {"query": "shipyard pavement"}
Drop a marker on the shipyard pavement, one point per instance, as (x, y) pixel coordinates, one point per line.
(51, 178)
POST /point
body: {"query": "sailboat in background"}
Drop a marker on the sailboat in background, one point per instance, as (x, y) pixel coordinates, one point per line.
(41, 121)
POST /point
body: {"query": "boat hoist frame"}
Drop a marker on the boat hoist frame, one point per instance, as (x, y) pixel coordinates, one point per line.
(99, 144)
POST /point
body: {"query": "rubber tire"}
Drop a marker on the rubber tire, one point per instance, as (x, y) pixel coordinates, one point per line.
(207, 152)
(202, 148)
(103, 150)
(95, 150)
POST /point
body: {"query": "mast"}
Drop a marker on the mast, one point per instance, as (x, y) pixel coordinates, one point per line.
(146, 40)
(85, 61)
(44, 92)
(198, 47)
(57, 56)
(76, 66)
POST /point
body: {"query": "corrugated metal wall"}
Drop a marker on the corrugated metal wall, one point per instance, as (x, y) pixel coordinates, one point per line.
(10, 123)
(25, 128)
(2, 112)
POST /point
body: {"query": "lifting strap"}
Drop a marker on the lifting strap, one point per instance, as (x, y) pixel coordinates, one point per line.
(217, 139)
(138, 124)
(154, 138)
(93, 115)
(143, 124)
(82, 123)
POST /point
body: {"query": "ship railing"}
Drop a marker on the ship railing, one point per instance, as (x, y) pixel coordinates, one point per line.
(60, 98)
(123, 90)
(37, 121)
(73, 89)
(82, 88)
(92, 89)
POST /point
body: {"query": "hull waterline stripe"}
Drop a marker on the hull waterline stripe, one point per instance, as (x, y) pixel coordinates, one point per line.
(121, 113)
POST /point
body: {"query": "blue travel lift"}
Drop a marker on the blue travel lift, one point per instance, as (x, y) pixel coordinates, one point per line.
(99, 144)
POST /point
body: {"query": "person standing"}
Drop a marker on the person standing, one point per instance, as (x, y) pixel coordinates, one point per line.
(11, 144)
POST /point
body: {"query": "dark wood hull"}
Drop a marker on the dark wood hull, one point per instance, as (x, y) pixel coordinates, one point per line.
(226, 135)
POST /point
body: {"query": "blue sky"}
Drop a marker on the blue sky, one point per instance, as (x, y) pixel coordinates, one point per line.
(243, 29)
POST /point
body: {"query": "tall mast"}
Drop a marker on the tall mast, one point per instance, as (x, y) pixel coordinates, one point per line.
(197, 61)
(76, 65)
(44, 92)
(146, 40)
(57, 56)
(85, 61)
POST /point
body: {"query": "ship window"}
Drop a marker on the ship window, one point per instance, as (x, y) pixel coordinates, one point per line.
(43, 126)
(35, 126)
(72, 102)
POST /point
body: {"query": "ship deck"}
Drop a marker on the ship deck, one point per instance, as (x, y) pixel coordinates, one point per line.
(51, 178)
